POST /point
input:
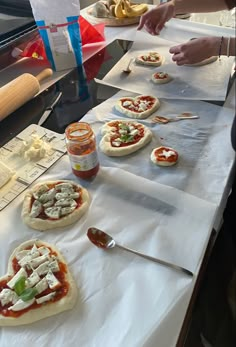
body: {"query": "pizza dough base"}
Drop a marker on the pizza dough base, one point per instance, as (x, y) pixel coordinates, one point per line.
(138, 60)
(162, 80)
(162, 163)
(49, 308)
(105, 144)
(43, 224)
(137, 115)
(204, 62)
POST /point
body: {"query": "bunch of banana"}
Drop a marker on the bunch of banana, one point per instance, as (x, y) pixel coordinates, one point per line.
(124, 9)
(118, 9)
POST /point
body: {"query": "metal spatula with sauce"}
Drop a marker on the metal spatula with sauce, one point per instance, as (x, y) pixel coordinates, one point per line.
(102, 240)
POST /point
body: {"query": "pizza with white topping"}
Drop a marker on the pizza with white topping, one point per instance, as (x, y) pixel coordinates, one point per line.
(38, 284)
(150, 58)
(139, 107)
(161, 77)
(54, 204)
(122, 137)
(164, 156)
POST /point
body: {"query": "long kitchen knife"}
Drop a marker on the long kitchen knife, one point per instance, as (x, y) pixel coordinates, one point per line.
(49, 109)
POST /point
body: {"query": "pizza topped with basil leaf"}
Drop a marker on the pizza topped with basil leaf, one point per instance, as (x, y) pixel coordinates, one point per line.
(54, 204)
(122, 137)
(38, 284)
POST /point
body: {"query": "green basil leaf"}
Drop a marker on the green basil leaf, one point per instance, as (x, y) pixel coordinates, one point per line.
(28, 294)
(123, 126)
(127, 138)
(19, 286)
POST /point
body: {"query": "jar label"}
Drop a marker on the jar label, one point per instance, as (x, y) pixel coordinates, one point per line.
(83, 162)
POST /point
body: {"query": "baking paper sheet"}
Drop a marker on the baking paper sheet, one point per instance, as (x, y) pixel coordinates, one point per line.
(203, 165)
(207, 82)
(122, 298)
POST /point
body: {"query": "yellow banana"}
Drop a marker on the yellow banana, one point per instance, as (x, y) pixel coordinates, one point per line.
(118, 10)
(134, 10)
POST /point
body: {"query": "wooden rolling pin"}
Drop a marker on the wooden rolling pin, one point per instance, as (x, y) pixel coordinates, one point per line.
(20, 90)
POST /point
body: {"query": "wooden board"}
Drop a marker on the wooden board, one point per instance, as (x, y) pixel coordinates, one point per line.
(111, 21)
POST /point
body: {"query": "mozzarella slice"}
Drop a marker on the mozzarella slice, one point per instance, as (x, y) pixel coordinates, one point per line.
(45, 298)
(20, 273)
(36, 209)
(43, 250)
(21, 305)
(47, 196)
(34, 263)
(41, 286)
(32, 279)
(52, 280)
(66, 202)
(7, 296)
(53, 212)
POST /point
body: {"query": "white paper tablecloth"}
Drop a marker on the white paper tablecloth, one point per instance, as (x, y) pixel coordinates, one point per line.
(203, 165)
(123, 299)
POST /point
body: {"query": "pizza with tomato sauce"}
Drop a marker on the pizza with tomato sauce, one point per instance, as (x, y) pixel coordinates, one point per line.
(38, 284)
(139, 107)
(54, 204)
(150, 58)
(164, 156)
(161, 77)
(122, 137)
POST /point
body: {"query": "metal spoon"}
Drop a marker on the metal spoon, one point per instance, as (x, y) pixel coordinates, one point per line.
(103, 240)
(128, 69)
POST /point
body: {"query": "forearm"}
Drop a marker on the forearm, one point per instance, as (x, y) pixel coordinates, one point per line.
(198, 6)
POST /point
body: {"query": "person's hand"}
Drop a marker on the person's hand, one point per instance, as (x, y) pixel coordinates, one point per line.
(195, 50)
(154, 20)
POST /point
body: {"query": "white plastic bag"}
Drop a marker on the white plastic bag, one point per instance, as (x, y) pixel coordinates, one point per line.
(57, 22)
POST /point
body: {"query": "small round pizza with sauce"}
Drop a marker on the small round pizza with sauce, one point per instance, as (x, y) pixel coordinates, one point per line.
(54, 204)
(164, 156)
(121, 137)
(161, 77)
(150, 58)
(139, 107)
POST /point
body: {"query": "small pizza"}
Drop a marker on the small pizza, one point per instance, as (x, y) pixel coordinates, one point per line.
(204, 62)
(161, 77)
(151, 58)
(164, 156)
(139, 107)
(54, 204)
(38, 284)
(122, 137)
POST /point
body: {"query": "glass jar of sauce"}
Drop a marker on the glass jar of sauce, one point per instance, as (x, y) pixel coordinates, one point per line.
(81, 148)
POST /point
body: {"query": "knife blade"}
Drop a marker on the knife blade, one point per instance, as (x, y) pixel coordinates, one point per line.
(49, 109)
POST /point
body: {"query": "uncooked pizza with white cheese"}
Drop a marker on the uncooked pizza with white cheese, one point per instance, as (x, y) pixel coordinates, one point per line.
(150, 58)
(53, 204)
(121, 137)
(139, 107)
(38, 284)
(161, 77)
(164, 156)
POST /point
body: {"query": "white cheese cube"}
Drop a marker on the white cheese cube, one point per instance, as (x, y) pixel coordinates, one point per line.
(41, 286)
(7, 296)
(21, 305)
(20, 273)
(45, 298)
(34, 263)
(52, 280)
(32, 279)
